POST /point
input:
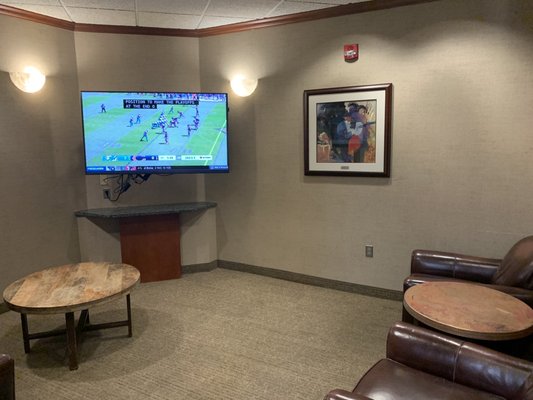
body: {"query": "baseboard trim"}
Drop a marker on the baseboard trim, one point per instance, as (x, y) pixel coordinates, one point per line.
(205, 267)
(381, 293)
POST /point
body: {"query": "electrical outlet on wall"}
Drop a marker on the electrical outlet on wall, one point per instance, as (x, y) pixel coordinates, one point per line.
(369, 250)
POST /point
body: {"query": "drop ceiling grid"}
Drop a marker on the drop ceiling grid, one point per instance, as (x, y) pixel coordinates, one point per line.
(174, 14)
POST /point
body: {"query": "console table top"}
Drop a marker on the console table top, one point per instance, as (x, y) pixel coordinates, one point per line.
(136, 211)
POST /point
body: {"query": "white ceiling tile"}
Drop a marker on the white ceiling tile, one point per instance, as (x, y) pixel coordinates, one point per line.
(296, 7)
(106, 5)
(51, 11)
(191, 7)
(102, 17)
(172, 21)
(240, 8)
(208, 22)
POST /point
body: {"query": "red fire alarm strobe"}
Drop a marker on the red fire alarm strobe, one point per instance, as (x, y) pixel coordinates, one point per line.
(351, 52)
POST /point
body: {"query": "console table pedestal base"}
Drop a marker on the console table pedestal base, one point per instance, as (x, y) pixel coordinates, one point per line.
(152, 244)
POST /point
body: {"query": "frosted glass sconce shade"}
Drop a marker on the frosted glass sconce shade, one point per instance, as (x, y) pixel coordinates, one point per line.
(242, 86)
(30, 80)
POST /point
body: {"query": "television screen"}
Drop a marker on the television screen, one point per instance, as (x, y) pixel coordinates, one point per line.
(155, 132)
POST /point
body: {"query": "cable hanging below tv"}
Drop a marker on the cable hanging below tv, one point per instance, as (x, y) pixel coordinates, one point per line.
(154, 132)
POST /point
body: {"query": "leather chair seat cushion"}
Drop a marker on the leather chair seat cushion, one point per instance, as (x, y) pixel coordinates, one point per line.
(388, 376)
(518, 292)
(516, 268)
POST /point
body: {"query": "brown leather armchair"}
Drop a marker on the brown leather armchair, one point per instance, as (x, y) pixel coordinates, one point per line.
(424, 364)
(513, 274)
(7, 378)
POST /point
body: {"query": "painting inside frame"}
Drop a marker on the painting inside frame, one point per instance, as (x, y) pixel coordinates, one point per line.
(347, 131)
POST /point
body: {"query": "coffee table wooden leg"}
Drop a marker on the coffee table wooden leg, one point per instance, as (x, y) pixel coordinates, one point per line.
(72, 347)
(82, 321)
(25, 333)
(128, 307)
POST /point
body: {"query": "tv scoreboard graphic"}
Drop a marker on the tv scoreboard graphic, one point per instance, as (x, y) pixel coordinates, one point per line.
(162, 157)
(148, 104)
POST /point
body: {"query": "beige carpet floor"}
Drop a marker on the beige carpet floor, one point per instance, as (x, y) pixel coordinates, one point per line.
(210, 335)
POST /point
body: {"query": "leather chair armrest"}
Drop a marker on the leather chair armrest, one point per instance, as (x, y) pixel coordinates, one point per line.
(454, 265)
(339, 394)
(505, 375)
(7, 377)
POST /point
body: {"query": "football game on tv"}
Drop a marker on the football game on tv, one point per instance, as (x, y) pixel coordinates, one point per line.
(155, 132)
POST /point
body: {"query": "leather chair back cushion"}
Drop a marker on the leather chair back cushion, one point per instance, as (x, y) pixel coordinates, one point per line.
(516, 268)
(388, 379)
(465, 364)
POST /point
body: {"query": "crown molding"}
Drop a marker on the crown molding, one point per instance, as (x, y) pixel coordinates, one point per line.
(135, 30)
(34, 17)
(347, 9)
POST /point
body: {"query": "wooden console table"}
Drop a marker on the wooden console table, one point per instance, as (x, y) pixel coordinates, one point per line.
(150, 236)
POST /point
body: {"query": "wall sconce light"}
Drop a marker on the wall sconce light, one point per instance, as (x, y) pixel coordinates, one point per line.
(30, 80)
(242, 86)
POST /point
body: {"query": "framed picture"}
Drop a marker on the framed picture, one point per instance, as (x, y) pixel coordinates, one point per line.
(347, 131)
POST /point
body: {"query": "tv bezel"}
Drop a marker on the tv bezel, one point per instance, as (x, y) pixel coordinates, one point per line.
(177, 170)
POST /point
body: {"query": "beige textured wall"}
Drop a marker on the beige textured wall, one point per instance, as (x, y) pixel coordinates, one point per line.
(461, 150)
(40, 148)
(137, 63)
(461, 165)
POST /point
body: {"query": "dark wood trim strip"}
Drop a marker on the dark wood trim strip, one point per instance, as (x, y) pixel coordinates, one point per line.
(34, 17)
(354, 8)
(135, 30)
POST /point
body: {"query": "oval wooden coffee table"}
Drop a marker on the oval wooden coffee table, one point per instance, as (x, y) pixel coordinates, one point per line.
(67, 289)
(469, 310)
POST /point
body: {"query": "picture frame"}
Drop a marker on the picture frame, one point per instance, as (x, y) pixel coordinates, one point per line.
(347, 131)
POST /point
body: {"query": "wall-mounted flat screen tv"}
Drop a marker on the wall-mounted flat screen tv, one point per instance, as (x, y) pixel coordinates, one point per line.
(154, 132)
